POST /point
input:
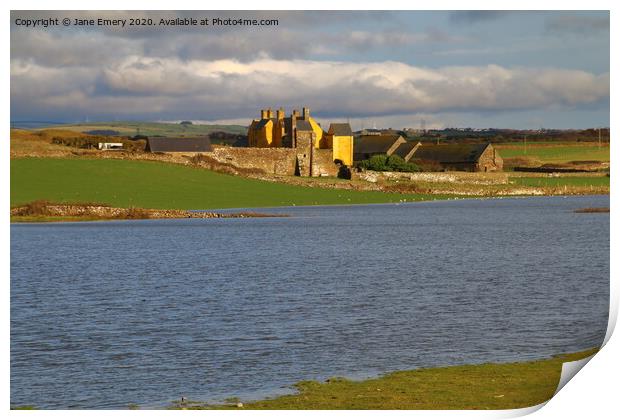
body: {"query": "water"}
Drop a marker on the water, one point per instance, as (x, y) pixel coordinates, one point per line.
(112, 313)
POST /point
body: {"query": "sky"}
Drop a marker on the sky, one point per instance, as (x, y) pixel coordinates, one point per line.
(480, 69)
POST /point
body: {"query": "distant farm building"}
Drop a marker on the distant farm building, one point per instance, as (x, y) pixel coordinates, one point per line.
(407, 150)
(109, 146)
(459, 157)
(303, 133)
(371, 145)
(178, 144)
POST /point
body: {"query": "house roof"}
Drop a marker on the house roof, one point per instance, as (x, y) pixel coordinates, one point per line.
(404, 149)
(179, 144)
(376, 144)
(340, 129)
(264, 122)
(450, 153)
(303, 125)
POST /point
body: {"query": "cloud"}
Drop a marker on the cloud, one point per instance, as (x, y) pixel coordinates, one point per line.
(300, 35)
(96, 48)
(475, 16)
(55, 49)
(363, 40)
(335, 62)
(217, 89)
(579, 25)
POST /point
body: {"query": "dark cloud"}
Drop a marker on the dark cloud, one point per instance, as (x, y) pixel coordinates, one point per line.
(287, 19)
(475, 16)
(200, 74)
(578, 25)
(97, 48)
(220, 89)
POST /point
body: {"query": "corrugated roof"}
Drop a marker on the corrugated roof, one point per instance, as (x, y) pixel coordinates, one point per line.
(375, 144)
(179, 144)
(340, 129)
(450, 153)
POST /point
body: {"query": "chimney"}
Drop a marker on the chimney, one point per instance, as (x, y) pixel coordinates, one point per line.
(263, 114)
(306, 112)
(280, 114)
(295, 114)
(269, 113)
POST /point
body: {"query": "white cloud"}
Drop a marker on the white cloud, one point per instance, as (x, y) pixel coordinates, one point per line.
(229, 88)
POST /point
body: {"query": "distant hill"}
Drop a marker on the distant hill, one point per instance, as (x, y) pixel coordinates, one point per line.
(131, 128)
(30, 125)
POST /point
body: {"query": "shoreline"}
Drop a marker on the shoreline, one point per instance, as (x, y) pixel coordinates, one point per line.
(484, 386)
(46, 212)
(76, 212)
(496, 386)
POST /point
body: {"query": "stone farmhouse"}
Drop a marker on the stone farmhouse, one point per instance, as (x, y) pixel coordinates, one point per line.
(457, 157)
(298, 145)
(461, 157)
(302, 133)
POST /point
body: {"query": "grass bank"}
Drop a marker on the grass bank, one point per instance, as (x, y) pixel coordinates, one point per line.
(484, 386)
(157, 185)
(44, 211)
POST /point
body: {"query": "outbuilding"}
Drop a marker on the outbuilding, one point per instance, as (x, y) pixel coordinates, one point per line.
(340, 138)
(384, 144)
(460, 157)
(178, 144)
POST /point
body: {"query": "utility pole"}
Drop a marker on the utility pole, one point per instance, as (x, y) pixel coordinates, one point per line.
(599, 137)
(525, 145)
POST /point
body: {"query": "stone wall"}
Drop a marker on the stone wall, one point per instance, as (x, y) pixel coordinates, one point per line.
(467, 178)
(279, 161)
(490, 161)
(323, 163)
(304, 153)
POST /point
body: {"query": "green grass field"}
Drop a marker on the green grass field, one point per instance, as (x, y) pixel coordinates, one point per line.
(572, 181)
(556, 153)
(485, 386)
(130, 128)
(127, 183)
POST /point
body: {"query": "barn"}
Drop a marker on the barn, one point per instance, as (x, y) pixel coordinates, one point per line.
(178, 144)
(367, 146)
(460, 157)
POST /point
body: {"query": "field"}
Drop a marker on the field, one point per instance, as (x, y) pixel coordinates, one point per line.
(42, 170)
(486, 386)
(129, 128)
(555, 153)
(156, 185)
